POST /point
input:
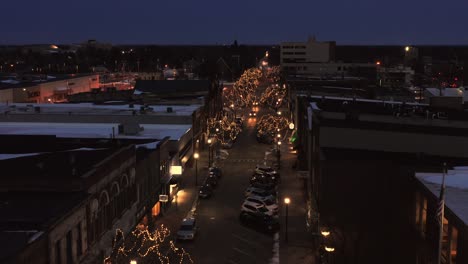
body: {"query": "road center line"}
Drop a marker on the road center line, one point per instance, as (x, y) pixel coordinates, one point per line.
(245, 240)
(242, 252)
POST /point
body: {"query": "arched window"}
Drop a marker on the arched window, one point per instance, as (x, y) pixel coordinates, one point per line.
(114, 204)
(125, 190)
(103, 213)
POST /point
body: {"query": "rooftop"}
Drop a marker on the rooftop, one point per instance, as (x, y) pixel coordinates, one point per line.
(93, 130)
(181, 87)
(390, 112)
(456, 192)
(20, 226)
(92, 109)
(14, 81)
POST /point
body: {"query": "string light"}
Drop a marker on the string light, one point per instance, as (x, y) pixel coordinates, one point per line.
(148, 247)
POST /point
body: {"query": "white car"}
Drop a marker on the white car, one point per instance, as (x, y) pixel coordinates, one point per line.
(256, 208)
(187, 229)
(269, 203)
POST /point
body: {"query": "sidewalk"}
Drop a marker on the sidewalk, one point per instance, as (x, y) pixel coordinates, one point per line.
(187, 199)
(300, 246)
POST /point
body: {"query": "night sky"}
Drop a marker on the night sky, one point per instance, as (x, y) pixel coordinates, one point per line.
(399, 22)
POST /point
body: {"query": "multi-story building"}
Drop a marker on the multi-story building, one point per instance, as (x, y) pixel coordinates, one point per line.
(45, 88)
(360, 157)
(313, 58)
(64, 206)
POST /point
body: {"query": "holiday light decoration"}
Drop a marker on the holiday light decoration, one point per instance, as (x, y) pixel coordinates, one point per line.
(274, 95)
(243, 91)
(147, 247)
(271, 125)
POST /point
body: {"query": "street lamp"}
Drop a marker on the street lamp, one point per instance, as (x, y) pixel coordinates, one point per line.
(132, 261)
(196, 156)
(291, 125)
(209, 152)
(286, 202)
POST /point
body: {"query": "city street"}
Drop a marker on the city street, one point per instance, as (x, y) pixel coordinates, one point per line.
(221, 238)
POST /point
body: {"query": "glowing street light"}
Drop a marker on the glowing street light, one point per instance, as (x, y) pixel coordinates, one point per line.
(209, 152)
(325, 233)
(291, 126)
(407, 48)
(286, 202)
(279, 135)
(133, 262)
(196, 156)
(329, 249)
(279, 113)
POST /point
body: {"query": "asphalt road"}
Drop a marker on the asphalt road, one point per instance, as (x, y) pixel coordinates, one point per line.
(221, 238)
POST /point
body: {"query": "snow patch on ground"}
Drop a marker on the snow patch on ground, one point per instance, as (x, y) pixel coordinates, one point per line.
(275, 259)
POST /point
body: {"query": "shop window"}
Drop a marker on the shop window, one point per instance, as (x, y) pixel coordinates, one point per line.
(58, 255)
(445, 242)
(156, 209)
(79, 242)
(421, 213)
(453, 245)
(418, 209)
(69, 247)
(424, 216)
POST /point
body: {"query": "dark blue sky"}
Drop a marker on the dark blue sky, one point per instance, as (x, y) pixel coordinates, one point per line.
(220, 22)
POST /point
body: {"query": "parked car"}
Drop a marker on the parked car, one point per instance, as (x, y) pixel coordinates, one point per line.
(264, 179)
(256, 208)
(216, 171)
(239, 121)
(187, 229)
(270, 204)
(259, 192)
(269, 187)
(266, 169)
(227, 144)
(259, 221)
(205, 191)
(212, 180)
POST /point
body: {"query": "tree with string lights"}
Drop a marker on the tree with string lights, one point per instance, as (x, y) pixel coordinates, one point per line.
(243, 92)
(146, 247)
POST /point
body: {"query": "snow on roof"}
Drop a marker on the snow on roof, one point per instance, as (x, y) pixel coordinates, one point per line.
(456, 191)
(10, 81)
(89, 108)
(445, 91)
(150, 145)
(365, 100)
(92, 130)
(14, 156)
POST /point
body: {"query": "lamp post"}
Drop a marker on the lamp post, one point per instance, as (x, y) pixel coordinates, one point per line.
(133, 262)
(286, 202)
(196, 156)
(329, 250)
(209, 152)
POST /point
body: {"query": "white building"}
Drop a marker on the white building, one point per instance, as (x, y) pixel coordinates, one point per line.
(313, 58)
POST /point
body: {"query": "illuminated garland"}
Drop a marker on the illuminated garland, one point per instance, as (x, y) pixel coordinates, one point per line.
(243, 92)
(271, 125)
(147, 247)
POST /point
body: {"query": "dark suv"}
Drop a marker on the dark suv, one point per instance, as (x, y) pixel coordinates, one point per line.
(259, 221)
